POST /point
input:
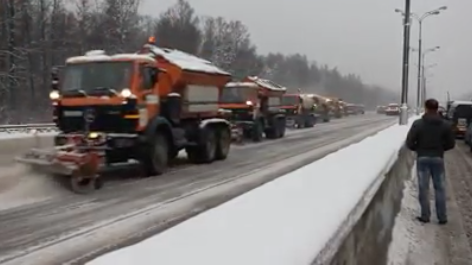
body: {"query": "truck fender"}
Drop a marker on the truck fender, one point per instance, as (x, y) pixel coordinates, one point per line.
(214, 121)
(156, 123)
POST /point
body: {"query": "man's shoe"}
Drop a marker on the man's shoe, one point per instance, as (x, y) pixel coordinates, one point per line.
(442, 222)
(422, 219)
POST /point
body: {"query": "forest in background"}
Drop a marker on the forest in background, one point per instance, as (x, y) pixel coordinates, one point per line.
(36, 35)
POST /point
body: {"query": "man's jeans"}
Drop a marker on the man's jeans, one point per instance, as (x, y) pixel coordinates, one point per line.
(431, 167)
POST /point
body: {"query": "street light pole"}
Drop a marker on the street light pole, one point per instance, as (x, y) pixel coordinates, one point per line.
(424, 80)
(424, 90)
(420, 45)
(420, 19)
(421, 67)
(406, 56)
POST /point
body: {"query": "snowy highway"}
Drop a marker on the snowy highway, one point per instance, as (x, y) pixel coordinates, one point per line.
(42, 222)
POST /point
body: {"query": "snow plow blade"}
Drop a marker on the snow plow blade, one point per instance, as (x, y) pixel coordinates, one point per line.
(237, 134)
(80, 167)
(45, 160)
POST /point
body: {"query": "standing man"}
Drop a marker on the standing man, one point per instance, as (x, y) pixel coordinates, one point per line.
(430, 137)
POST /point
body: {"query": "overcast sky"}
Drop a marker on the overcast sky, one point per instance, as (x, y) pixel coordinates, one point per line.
(359, 36)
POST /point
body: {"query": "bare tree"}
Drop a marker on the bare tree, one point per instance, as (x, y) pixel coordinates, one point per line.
(178, 28)
(36, 35)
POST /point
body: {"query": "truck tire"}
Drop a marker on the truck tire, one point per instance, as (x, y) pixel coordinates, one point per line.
(309, 122)
(257, 131)
(272, 132)
(205, 150)
(223, 143)
(282, 128)
(157, 156)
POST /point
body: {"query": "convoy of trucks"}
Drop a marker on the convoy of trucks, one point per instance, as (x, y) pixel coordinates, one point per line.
(141, 109)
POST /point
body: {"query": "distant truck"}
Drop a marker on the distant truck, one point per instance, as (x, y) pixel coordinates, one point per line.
(255, 106)
(324, 107)
(338, 108)
(354, 109)
(360, 108)
(351, 109)
(299, 110)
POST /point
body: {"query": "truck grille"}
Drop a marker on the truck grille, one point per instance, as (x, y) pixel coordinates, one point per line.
(107, 118)
(241, 115)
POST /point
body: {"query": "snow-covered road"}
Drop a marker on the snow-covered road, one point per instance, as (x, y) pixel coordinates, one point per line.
(54, 226)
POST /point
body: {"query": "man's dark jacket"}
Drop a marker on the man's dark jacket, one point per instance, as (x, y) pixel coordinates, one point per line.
(430, 136)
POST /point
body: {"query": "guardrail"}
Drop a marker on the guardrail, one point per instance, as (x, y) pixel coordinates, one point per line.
(28, 128)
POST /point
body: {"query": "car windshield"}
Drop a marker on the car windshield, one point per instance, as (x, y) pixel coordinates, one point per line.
(290, 100)
(90, 76)
(235, 94)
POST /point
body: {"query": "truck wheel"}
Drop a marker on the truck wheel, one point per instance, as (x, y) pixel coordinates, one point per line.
(83, 185)
(282, 128)
(157, 156)
(310, 122)
(205, 151)
(173, 154)
(272, 132)
(257, 131)
(223, 144)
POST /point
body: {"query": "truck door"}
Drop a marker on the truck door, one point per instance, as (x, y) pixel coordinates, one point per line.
(148, 96)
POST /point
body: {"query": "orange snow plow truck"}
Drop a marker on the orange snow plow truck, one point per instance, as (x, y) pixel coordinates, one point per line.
(133, 110)
(254, 106)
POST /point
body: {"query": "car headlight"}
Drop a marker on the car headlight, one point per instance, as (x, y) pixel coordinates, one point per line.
(54, 95)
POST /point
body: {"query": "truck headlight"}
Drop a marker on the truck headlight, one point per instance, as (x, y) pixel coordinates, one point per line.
(126, 93)
(93, 135)
(54, 95)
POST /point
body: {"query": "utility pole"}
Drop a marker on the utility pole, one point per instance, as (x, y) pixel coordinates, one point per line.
(405, 67)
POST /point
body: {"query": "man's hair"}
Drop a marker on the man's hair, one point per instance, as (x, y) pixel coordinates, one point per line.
(431, 104)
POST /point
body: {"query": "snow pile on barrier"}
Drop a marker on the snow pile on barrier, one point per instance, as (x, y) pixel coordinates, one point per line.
(288, 221)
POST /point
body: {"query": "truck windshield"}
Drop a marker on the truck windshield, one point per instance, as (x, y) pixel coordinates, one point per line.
(290, 100)
(91, 76)
(235, 94)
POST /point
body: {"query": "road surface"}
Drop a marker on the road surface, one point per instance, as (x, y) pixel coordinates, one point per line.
(44, 223)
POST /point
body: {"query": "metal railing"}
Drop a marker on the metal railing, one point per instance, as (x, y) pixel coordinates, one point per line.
(28, 128)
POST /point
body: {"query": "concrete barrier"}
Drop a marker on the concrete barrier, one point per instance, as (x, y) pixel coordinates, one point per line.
(368, 239)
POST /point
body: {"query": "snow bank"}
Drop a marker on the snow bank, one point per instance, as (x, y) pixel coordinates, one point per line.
(285, 222)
